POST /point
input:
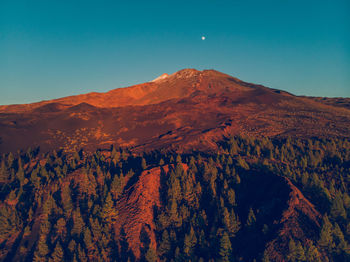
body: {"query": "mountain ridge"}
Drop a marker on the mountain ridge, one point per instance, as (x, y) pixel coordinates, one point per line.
(189, 108)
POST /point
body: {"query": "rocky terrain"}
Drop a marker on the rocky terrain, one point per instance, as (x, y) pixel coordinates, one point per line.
(187, 110)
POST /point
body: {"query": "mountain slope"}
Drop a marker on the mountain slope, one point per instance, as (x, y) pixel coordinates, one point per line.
(188, 109)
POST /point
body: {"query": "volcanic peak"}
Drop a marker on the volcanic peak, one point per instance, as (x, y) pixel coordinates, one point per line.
(187, 73)
(182, 74)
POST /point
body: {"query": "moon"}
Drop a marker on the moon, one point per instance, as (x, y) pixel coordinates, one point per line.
(203, 38)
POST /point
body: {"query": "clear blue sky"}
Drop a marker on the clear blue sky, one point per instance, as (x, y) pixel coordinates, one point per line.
(55, 48)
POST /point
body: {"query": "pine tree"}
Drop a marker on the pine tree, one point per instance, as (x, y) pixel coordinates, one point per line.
(3, 171)
(233, 147)
(87, 238)
(75, 258)
(231, 222)
(242, 163)
(190, 242)
(96, 228)
(237, 179)
(27, 230)
(71, 246)
(251, 218)
(178, 159)
(346, 200)
(339, 240)
(305, 179)
(60, 228)
(151, 255)
(143, 164)
(34, 178)
(164, 245)
(227, 171)
(312, 254)
(174, 191)
(300, 253)
(178, 255)
(117, 185)
(292, 251)
(78, 223)
(57, 255)
(235, 224)
(81, 254)
(231, 197)
(337, 208)
(10, 160)
(326, 239)
(296, 251)
(12, 196)
(44, 174)
(66, 200)
(42, 250)
(257, 151)
(45, 226)
(202, 243)
(107, 210)
(225, 248)
(172, 211)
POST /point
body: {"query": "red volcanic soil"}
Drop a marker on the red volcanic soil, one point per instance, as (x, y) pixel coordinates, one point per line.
(135, 209)
(300, 220)
(333, 101)
(187, 110)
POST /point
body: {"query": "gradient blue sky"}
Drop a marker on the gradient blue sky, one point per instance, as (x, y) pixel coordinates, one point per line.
(50, 49)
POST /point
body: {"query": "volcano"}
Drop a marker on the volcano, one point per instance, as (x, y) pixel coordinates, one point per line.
(192, 166)
(186, 110)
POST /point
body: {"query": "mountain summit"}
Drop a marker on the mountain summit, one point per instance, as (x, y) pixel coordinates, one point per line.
(178, 85)
(187, 109)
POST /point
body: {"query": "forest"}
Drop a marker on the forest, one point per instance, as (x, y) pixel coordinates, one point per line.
(253, 199)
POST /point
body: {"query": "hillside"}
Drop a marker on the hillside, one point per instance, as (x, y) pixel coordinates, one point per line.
(189, 109)
(192, 166)
(254, 200)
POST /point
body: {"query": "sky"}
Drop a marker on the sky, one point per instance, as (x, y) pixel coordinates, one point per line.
(56, 48)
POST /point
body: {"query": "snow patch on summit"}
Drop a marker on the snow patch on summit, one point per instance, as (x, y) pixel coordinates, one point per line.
(163, 76)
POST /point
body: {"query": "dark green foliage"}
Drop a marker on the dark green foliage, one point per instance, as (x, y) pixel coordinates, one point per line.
(251, 218)
(190, 242)
(225, 248)
(214, 206)
(42, 249)
(337, 209)
(143, 164)
(326, 238)
(151, 255)
(295, 251)
(57, 255)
